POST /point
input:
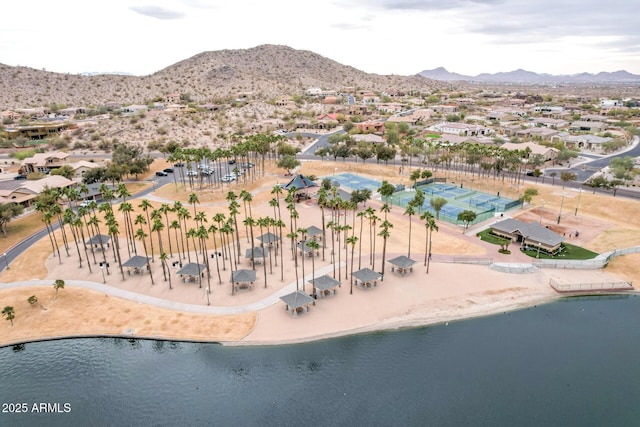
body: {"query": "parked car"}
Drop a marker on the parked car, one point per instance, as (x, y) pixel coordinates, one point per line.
(178, 165)
(192, 173)
(168, 170)
(85, 203)
(20, 177)
(232, 161)
(161, 173)
(228, 178)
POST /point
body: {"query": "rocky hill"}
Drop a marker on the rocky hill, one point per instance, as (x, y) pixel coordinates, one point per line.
(266, 71)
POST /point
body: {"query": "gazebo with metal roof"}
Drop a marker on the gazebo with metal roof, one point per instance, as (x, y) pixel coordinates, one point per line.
(99, 241)
(191, 271)
(137, 264)
(297, 302)
(305, 249)
(269, 239)
(313, 231)
(367, 277)
(326, 285)
(402, 263)
(243, 279)
(257, 254)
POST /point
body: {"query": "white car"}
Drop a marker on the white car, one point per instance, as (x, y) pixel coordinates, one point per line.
(228, 178)
(192, 173)
(85, 204)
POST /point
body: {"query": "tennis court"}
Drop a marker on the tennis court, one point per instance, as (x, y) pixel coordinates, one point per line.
(355, 182)
(458, 200)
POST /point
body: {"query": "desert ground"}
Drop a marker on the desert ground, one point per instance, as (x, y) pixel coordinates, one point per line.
(449, 291)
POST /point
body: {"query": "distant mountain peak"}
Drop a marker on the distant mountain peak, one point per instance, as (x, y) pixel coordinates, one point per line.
(529, 77)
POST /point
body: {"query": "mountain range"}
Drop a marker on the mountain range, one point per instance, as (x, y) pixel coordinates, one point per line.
(529, 77)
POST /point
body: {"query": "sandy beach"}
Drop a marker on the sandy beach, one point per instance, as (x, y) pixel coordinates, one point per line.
(450, 291)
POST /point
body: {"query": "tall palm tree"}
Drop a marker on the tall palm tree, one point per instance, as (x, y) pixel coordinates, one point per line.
(314, 245)
(46, 218)
(213, 230)
(114, 230)
(250, 223)
(352, 240)
(145, 205)
(165, 267)
(384, 233)
(165, 209)
(262, 222)
(141, 235)
(322, 203)
(294, 236)
(302, 232)
(430, 226)
(281, 225)
(126, 208)
(95, 222)
(192, 233)
(202, 234)
(184, 214)
(193, 201)
(68, 218)
(410, 211)
(246, 198)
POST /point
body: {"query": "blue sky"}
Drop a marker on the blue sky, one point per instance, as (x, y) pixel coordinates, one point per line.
(378, 36)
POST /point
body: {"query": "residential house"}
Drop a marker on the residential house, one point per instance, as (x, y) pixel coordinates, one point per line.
(582, 126)
(43, 162)
(24, 191)
(463, 129)
(81, 167)
(445, 109)
(314, 91)
(36, 131)
(547, 153)
(611, 103)
(371, 127)
(134, 109)
(547, 122)
(583, 142)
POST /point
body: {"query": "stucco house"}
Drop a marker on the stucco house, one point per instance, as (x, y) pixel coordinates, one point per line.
(42, 162)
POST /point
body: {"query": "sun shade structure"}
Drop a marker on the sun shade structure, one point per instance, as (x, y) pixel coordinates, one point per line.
(137, 264)
(402, 263)
(96, 241)
(314, 231)
(300, 182)
(325, 284)
(297, 302)
(528, 233)
(367, 277)
(269, 238)
(191, 271)
(305, 248)
(257, 252)
(243, 279)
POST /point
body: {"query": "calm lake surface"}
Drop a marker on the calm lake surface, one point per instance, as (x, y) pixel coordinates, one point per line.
(570, 363)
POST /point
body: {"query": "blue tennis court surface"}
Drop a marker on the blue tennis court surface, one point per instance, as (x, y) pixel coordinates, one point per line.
(458, 200)
(356, 182)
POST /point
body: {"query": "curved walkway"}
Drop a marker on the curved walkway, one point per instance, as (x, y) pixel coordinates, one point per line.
(177, 306)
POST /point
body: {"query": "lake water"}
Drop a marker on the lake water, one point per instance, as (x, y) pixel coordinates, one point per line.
(570, 363)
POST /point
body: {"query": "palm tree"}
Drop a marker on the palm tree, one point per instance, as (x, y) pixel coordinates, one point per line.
(246, 198)
(322, 203)
(250, 223)
(362, 215)
(294, 236)
(185, 215)
(314, 245)
(95, 222)
(213, 230)
(193, 234)
(114, 230)
(57, 285)
(409, 211)
(384, 233)
(302, 232)
(202, 234)
(145, 205)
(141, 235)
(68, 217)
(352, 240)
(165, 267)
(431, 226)
(262, 222)
(126, 208)
(193, 200)
(9, 313)
(165, 209)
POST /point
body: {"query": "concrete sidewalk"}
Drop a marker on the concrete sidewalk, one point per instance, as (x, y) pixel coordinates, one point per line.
(177, 306)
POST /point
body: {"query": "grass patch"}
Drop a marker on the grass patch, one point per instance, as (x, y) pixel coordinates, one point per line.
(486, 236)
(570, 252)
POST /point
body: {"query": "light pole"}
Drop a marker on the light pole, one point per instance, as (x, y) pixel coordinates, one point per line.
(541, 210)
(578, 204)
(561, 202)
(6, 260)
